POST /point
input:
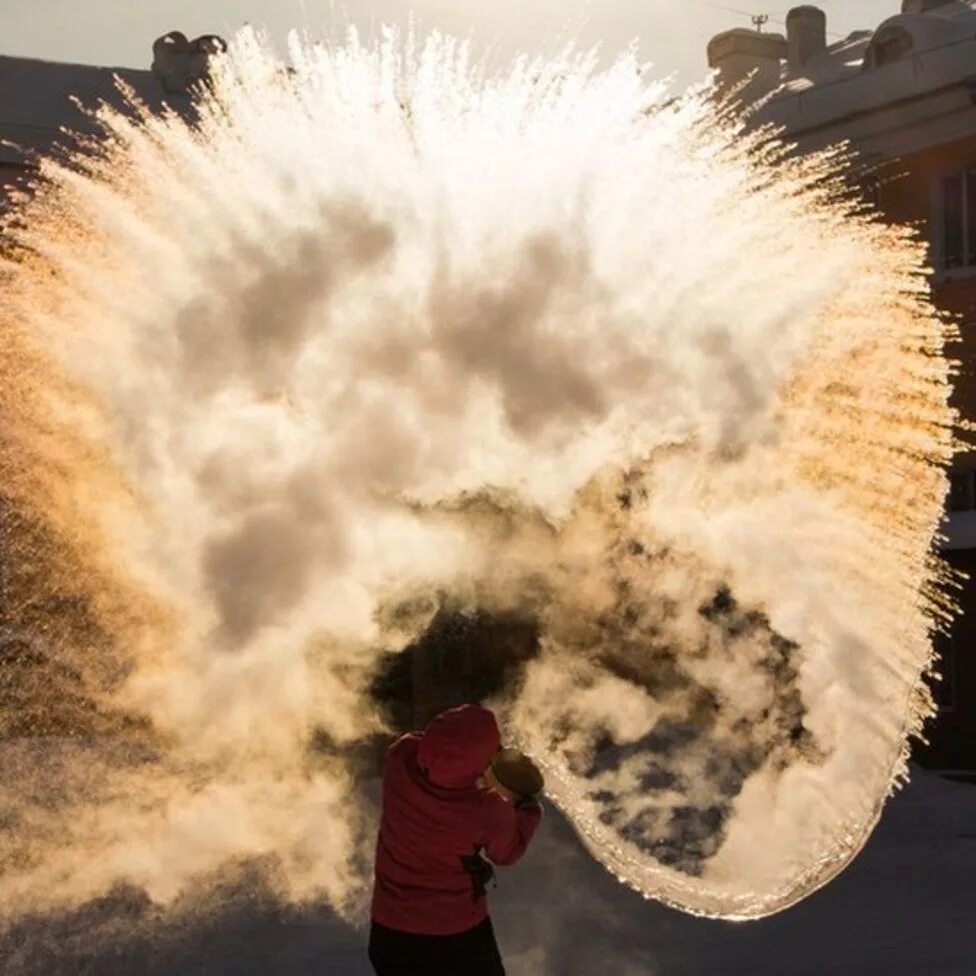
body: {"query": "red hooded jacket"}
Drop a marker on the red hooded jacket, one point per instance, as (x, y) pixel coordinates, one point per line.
(433, 815)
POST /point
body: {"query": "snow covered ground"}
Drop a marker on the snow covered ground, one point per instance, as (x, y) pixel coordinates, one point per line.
(907, 907)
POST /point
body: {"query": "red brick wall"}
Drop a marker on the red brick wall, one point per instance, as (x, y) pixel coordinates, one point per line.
(909, 195)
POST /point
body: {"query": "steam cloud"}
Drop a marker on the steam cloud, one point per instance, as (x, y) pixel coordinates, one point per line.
(385, 333)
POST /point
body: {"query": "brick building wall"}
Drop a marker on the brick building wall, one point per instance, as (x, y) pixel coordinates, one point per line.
(924, 190)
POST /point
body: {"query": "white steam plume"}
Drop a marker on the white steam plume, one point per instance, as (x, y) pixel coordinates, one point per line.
(383, 331)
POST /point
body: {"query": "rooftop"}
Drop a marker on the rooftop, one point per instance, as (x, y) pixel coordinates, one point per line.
(41, 99)
(927, 51)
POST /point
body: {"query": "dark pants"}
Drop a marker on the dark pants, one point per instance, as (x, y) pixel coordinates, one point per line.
(471, 953)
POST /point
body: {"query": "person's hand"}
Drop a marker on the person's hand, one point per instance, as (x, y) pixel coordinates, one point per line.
(528, 802)
(490, 783)
(517, 775)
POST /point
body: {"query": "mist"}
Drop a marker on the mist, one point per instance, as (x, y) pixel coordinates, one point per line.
(386, 333)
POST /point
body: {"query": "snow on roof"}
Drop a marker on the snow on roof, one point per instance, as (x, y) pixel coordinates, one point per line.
(841, 60)
(908, 55)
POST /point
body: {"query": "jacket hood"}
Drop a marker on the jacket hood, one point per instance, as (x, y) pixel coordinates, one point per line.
(457, 746)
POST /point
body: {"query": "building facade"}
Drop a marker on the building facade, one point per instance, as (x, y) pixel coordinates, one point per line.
(903, 96)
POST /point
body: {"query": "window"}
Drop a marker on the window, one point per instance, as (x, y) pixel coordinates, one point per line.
(892, 49)
(871, 192)
(958, 220)
(961, 492)
(888, 45)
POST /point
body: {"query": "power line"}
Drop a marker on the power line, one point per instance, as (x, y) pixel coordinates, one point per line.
(738, 10)
(758, 20)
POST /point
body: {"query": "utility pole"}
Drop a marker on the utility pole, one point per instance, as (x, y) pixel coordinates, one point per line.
(759, 21)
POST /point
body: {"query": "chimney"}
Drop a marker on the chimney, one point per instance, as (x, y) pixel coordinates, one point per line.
(179, 63)
(806, 35)
(738, 53)
(921, 6)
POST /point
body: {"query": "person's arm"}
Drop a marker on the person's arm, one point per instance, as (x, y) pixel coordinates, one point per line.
(398, 755)
(512, 830)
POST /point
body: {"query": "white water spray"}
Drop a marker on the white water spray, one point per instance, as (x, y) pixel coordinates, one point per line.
(381, 331)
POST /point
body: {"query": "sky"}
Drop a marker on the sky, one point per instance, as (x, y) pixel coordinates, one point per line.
(672, 33)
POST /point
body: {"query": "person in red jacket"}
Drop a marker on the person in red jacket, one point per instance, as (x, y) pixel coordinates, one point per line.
(446, 820)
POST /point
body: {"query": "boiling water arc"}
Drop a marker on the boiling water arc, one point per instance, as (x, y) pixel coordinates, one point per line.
(384, 340)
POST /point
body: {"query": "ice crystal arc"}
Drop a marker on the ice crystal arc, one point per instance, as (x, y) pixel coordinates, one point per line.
(381, 332)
